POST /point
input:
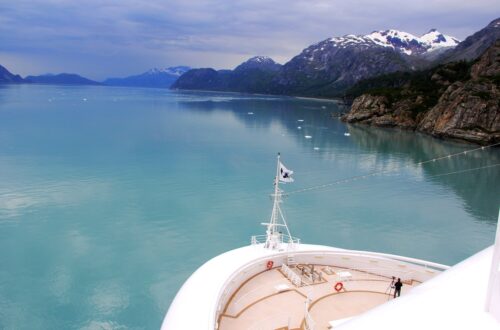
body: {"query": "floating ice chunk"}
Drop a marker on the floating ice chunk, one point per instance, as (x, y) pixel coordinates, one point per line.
(316, 148)
(300, 120)
(84, 99)
(299, 127)
(347, 134)
(250, 113)
(323, 107)
(308, 136)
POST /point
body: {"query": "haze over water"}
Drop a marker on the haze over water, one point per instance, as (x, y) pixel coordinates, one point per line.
(111, 197)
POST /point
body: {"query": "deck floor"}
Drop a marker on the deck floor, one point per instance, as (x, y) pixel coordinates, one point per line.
(265, 302)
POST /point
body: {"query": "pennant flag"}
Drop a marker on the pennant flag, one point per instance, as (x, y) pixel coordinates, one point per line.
(285, 174)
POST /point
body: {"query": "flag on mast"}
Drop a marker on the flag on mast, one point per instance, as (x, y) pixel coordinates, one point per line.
(285, 174)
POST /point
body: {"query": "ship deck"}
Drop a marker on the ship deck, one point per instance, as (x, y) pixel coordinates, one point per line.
(269, 300)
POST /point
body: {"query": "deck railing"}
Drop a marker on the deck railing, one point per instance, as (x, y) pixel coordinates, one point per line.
(309, 323)
(291, 241)
(291, 275)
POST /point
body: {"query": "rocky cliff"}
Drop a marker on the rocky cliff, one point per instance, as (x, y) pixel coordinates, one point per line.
(461, 101)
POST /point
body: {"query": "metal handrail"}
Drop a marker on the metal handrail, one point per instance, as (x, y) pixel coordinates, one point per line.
(259, 239)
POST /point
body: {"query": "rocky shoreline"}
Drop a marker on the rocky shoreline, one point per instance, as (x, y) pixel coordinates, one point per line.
(466, 109)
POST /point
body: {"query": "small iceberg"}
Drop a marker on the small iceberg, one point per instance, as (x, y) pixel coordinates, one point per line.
(347, 134)
(300, 120)
(250, 113)
(316, 148)
(299, 127)
(308, 136)
(84, 99)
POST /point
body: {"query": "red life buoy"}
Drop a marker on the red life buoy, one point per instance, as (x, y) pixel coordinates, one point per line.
(270, 264)
(339, 286)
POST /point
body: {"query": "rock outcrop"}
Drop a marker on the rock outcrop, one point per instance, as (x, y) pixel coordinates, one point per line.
(467, 109)
(470, 111)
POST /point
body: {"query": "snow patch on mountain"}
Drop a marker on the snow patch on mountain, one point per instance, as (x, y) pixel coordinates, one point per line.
(259, 62)
(174, 71)
(261, 59)
(401, 41)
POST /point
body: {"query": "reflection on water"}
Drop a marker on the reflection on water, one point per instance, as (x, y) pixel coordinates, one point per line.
(473, 188)
(111, 197)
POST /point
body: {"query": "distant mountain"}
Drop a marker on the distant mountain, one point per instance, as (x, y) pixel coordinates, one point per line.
(159, 78)
(253, 76)
(61, 79)
(475, 45)
(327, 68)
(263, 63)
(9, 78)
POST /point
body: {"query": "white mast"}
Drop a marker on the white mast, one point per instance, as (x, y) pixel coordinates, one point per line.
(273, 232)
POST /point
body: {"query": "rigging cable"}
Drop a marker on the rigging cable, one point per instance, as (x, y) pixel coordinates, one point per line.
(358, 177)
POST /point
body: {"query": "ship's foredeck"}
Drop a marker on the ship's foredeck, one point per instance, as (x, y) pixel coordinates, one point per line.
(269, 300)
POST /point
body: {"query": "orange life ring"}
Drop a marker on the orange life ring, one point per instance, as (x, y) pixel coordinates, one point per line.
(270, 264)
(339, 286)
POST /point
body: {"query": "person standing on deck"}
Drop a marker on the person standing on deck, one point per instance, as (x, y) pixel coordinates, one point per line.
(397, 288)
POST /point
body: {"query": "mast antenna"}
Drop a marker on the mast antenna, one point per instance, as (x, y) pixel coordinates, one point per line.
(277, 227)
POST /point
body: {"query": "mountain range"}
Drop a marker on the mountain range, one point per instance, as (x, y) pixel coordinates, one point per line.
(332, 66)
(326, 69)
(159, 78)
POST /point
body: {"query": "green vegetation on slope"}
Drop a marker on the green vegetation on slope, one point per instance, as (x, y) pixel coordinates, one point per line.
(427, 84)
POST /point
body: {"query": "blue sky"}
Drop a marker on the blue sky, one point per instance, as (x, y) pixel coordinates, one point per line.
(105, 38)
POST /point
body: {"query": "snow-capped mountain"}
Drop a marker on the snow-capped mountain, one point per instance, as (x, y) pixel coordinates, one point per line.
(336, 63)
(332, 66)
(400, 41)
(158, 78)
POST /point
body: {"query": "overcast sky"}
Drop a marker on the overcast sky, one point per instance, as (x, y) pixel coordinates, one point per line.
(104, 38)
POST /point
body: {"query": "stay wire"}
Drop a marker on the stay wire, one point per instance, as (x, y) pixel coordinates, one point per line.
(357, 177)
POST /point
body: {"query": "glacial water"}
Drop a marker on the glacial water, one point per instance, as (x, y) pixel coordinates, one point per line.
(111, 197)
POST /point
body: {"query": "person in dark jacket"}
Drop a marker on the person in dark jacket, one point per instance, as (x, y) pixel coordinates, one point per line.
(397, 288)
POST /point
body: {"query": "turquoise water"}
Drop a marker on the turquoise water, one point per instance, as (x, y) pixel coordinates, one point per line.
(111, 197)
